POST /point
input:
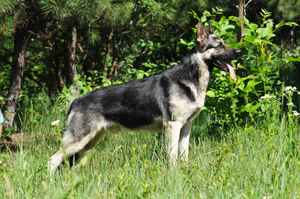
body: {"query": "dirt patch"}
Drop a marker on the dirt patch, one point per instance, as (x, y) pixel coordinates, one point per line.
(16, 140)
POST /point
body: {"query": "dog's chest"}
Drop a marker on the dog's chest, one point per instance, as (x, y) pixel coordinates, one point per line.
(204, 79)
(184, 108)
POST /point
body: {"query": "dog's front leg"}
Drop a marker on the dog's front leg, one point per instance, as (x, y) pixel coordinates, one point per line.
(184, 141)
(172, 134)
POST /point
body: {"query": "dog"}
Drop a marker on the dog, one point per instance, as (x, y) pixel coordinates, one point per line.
(165, 102)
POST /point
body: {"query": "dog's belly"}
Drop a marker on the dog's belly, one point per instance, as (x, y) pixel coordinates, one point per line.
(155, 127)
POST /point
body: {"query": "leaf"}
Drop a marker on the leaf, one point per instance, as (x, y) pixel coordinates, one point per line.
(223, 19)
(140, 76)
(253, 26)
(210, 94)
(248, 32)
(250, 86)
(186, 42)
(292, 59)
(10, 129)
(279, 25)
(233, 18)
(250, 107)
(208, 109)
(228, 28)
(203, 18)
(263, 32)
(290, 24)
(10, 112)
(241, 86)
(236, 19)
(246, 21)
(195, 15)
(251, 39)
(253, 108)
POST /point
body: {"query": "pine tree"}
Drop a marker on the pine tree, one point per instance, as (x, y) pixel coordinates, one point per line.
(25, 24)
(70, 15)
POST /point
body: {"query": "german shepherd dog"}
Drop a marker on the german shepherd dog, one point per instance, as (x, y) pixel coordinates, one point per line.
(166, 102)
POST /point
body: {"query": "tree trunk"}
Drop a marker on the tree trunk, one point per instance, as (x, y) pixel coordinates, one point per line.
(293, 41)
(69, 60)
(22, 38)
(55, 63)
(108, 51)
(113, 62)
(240, 33)
(241, 7)
(112, 70)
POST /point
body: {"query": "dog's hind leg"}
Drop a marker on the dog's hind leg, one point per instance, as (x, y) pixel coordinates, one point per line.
(74, 158)
(70, 149)
(184, 141)
(55, 161)
(77, 156)
(94, 141)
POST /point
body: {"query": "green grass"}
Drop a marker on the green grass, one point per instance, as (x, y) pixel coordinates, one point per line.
(242, 162)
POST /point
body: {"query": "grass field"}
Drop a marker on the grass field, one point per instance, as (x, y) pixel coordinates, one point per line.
(253, 161)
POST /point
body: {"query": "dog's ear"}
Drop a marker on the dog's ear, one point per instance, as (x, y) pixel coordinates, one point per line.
(209, 29)
(202, 35)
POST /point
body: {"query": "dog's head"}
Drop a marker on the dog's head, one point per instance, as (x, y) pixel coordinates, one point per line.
(214, 50)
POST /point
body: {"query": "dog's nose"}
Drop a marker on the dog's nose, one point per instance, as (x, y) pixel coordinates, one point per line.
(238, 52)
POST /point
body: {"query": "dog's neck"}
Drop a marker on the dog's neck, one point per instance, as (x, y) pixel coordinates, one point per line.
(205, 73)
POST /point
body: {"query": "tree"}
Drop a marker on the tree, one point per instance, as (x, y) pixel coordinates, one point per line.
(70, 15)
(26, 23)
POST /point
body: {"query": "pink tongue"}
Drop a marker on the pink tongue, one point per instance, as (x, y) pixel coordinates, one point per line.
(231, 71)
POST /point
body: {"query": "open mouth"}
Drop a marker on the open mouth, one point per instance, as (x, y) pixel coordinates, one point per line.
(224, 66)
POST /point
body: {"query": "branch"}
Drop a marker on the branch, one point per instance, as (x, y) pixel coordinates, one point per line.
(246, 6)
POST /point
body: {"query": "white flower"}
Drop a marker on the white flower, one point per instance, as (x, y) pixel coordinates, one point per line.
(295, 113)
(290, 104)
(288, 88)
(266, 197)
(232, 154)
(267, 96)
(55, 122)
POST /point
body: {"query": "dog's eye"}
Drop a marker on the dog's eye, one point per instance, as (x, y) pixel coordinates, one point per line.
(220, 45)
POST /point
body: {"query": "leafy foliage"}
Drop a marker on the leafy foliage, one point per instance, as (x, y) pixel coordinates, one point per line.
(232, 102)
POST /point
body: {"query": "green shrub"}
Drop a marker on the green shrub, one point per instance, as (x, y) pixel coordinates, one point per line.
(232, 103)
